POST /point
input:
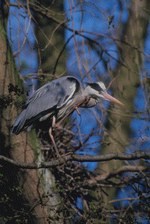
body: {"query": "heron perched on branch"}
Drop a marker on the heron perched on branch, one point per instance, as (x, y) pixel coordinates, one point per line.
(53, 102)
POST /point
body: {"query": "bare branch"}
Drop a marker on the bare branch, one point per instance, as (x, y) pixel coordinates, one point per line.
(79, 158)
(113, 173)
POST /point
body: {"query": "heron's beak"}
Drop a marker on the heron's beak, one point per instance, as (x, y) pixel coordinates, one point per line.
(111, 98)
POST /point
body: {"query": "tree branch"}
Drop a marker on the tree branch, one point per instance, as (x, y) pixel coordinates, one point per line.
(118, 171)
(79, 158)
(48, 14)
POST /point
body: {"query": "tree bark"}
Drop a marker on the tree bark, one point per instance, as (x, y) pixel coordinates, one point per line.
(35, 184)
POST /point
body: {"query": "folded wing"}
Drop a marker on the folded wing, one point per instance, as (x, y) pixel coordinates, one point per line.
(46, 101)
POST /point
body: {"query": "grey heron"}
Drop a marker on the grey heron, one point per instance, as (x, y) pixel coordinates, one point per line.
(58, 99)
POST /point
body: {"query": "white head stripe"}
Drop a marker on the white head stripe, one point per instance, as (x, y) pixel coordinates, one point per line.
(101, 84)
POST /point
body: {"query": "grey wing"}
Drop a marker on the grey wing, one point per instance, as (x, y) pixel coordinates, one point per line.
(46, 100)
(52, 96)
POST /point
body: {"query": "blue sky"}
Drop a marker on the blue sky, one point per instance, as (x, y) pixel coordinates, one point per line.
(139, 127)
(95, 19)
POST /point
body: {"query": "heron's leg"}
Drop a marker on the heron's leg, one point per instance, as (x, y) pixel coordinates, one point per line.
(53, 121)
(51, 136)
(53, 141)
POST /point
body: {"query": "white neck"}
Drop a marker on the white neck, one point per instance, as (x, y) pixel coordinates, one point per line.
(88, 91)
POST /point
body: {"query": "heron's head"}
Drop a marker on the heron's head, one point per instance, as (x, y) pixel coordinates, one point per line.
(98, 90)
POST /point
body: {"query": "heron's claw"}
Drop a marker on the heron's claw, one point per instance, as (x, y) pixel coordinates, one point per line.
(76, 108)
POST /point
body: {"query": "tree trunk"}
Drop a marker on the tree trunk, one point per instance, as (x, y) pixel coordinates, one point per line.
(51, 40)
(126, 79)
(24, 147)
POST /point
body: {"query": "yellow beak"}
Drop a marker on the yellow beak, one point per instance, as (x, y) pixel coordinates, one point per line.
(111, 98)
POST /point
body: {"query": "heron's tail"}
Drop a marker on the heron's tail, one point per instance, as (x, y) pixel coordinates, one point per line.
(18, 124)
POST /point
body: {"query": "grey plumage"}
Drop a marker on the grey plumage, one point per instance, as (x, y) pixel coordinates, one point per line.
(57, 98)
